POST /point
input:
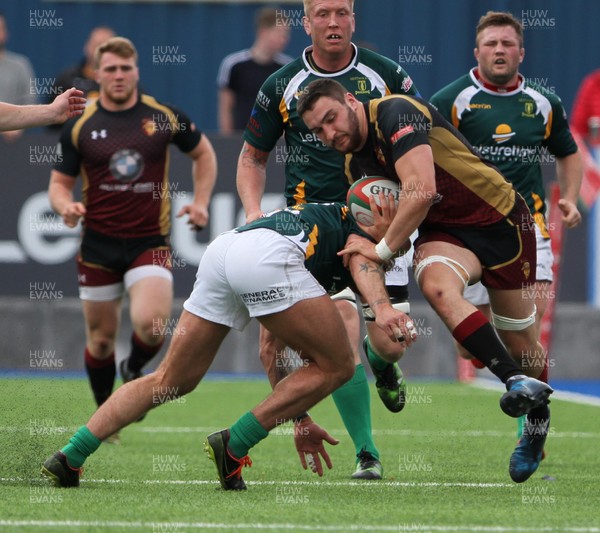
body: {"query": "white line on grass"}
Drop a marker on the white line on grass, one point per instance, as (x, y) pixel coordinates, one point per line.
(361, 484)
(176, 526)
(394, 432)
(286, 430)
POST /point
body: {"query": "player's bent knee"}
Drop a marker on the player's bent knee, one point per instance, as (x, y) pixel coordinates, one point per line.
(344, 374)
(101, 348)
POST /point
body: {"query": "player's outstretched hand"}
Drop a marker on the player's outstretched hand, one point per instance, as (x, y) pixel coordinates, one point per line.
(309, 438)
(68, 104)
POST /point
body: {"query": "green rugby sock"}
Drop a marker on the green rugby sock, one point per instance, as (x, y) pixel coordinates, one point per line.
(375, 361)
(353, 401)
(244, 434)
(521, 425)
(81, 445)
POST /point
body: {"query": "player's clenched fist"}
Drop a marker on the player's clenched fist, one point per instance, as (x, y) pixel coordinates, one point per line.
(72, 213)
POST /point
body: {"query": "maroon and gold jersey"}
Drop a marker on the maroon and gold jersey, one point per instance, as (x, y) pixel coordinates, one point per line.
(123, 159)
(470, 191)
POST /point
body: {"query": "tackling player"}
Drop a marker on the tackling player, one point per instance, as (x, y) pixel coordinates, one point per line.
(314, 173)
(278, 269)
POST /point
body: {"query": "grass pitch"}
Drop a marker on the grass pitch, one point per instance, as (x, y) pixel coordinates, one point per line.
(445, 458)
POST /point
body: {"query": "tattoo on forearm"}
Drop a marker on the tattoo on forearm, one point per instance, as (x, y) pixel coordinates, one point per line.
(252, 159)
(373, 268)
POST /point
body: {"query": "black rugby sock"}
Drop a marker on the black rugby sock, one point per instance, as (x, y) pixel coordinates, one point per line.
(101, 373)
(141, 353)
(477, 335)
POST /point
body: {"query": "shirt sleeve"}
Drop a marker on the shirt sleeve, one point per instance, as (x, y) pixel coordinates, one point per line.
(69, 162)
(265, 125)
(187, 136)
(403, 126)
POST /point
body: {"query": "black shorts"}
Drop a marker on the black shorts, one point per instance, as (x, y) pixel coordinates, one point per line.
(104, 260)
(507, 249)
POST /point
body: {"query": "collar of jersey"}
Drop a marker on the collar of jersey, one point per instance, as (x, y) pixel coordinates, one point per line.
(492, 89)
(314, 69)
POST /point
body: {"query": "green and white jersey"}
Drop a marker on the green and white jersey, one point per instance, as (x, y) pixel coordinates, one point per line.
(511, 130)
(315, 173)
(320, 231)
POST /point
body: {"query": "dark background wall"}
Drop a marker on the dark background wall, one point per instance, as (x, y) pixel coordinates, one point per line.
(433, 39)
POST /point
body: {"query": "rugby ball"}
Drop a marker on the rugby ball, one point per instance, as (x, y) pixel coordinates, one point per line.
(358, 195)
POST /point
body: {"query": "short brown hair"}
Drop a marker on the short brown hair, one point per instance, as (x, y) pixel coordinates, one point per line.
(499, 18)
(267, 17)
(308, 4)
(317, 89)
(120, 46)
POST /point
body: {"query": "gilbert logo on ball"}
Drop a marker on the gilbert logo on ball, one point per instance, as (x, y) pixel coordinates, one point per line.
(360, 191)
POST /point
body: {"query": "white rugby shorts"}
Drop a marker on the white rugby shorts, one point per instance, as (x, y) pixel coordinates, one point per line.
(250, 274)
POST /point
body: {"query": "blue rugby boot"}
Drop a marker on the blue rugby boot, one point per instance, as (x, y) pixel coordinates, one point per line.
(529, 452)
(524, 394)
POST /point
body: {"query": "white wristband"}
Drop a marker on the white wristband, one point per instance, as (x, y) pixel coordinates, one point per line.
(383, 251)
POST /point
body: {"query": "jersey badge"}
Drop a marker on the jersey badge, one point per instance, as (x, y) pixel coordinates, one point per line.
(149, 127)
(526, 268)
(529, 110)
(362, 86)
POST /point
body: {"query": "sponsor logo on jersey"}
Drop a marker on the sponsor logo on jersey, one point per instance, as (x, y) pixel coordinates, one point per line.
(480, 106)
(504, 153)
(102, 134)
(254, 125)
(126, 165)
(310, 138)
(407, 83)
(262, 100)
(503, 133)
(402, 132)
